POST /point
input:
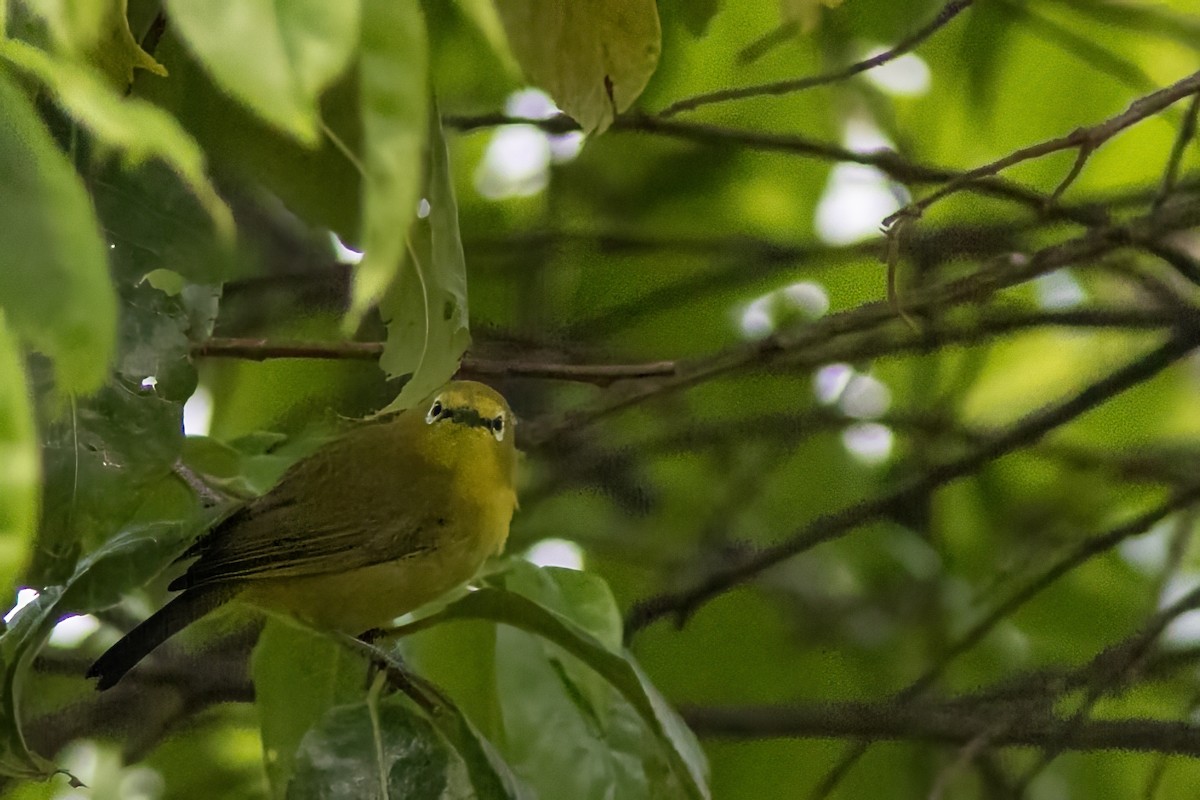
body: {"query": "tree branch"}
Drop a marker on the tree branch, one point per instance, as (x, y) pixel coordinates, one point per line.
(1084, 139)
(888, 162)
(816, 344)
(684, 602)
(951, 10)
(1187, 132)
(599, 374)
(938, 723)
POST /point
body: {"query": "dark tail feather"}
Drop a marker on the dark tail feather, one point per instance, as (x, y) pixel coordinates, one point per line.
(156, 629)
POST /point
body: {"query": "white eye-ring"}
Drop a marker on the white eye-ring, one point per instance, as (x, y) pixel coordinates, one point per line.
(435, 411)
(497, 427)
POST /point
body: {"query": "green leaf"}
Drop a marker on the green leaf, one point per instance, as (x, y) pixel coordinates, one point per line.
(250, 465)
(155, 225)
(101, 578)
(130, 559)
(681, 749)
(320, 185)
(137, 129)
(298, 676)
(490, 776)
(461, 660)
(98, 32)
(485, 18)
(550, 698)
(372, 751)
(593, 58)
(805, 13)
(53, 275)
(103, 453)
(166, 281)
(18, 645)
(394, 106)
(426, 307)
(20, 473)
(18, 521)
(586, 600)
(276, 58)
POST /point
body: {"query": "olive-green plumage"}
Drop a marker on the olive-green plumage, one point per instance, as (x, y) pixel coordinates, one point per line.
(372, 525)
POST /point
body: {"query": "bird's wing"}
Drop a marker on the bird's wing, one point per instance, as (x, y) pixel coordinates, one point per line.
(320, 519)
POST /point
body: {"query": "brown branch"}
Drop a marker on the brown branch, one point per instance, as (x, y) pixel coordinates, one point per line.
(1107, 669)
(888, 162)
(951, 10)
(1161, 465)
(817, 343)
(684, 602)
(938, 723)
(1043, 684)
(599, 374)
(267, 349)
(1088, 138)
(1081, 554)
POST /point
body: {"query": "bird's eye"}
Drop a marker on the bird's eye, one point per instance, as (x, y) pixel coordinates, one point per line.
(435, 411)
(498, 427)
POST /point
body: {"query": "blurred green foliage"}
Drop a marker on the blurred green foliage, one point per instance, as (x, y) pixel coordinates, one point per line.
(880, 587)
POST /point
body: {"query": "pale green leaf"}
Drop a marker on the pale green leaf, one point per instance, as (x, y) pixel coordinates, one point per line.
(550, 698)
(293, 693)
(18, 646)
(20, 474)
(139, 130)
(98, 32)
(489, 774)
(377, 750)
(805, 13)
(584, 599)
(680, 747)
(167, 281)
(276, 58)
(130, 558)
(54, 279)
(484, 16)
(426, 307)
(593, 58)
(393, 92)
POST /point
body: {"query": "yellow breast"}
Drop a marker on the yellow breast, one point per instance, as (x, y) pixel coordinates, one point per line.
(372, 597)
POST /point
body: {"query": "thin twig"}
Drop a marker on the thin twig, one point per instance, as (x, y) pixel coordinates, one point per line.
(599, 374)
(207, 494)
(1091, 137)
(1088, 549)
(888, 162)
(966, 755)
(815, 343)
(948, 12)
(1108, 670)
(1186, 132)
(940, 723)
(684, 602)
(1085, 151)
(1081, 554)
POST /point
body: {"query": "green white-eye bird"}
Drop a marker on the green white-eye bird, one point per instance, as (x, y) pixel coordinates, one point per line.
(370, 526)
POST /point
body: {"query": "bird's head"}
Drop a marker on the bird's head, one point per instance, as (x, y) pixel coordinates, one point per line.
(470, 408)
